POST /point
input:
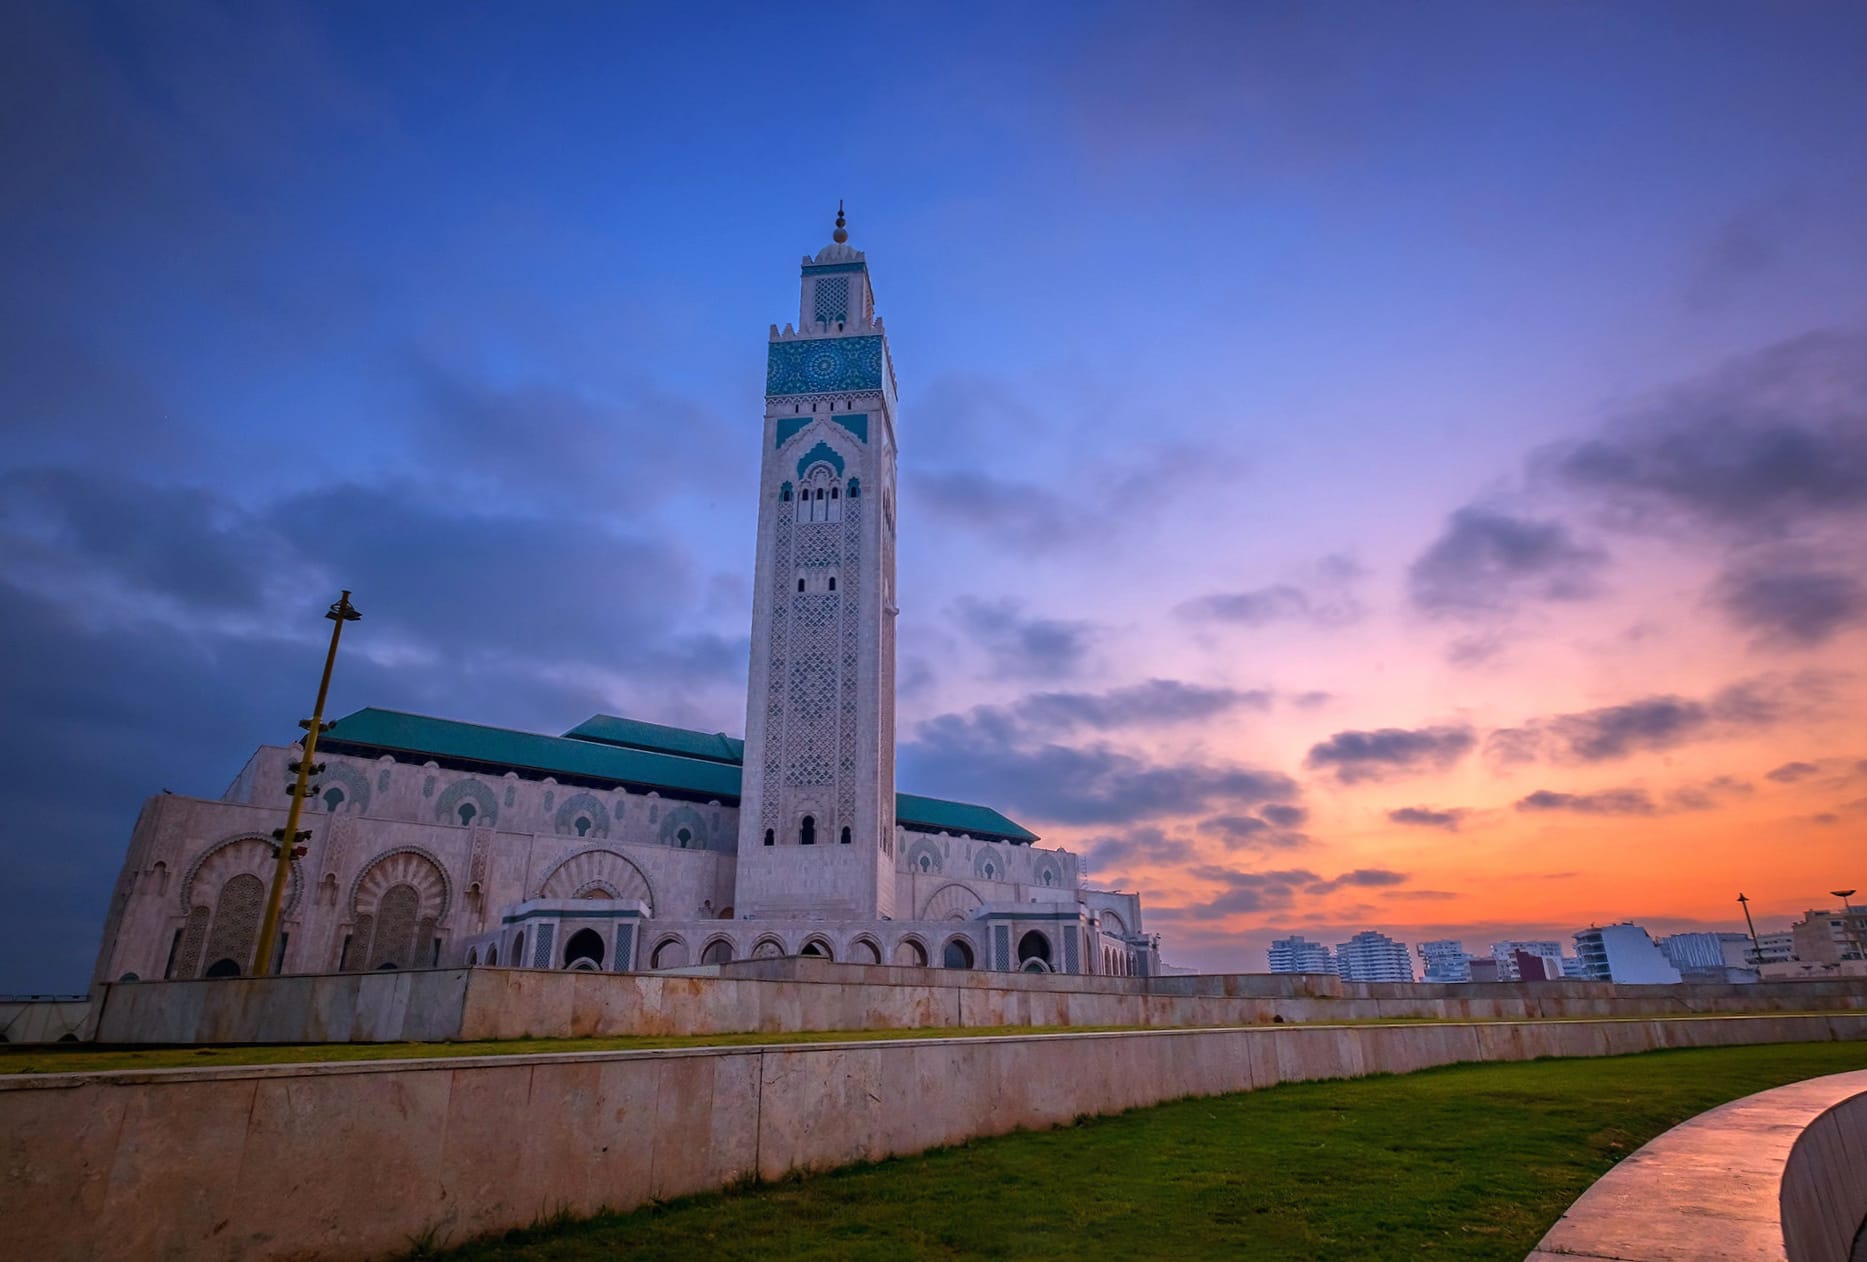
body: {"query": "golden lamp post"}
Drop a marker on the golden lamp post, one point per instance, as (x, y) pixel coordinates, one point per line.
(290, 839)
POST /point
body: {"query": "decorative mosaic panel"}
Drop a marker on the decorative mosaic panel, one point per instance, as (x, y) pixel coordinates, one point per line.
(585, 810)
(625, 947)
(820, 365)
(1072, 962)
(823, 452)
(1001, 947)
(541, 953)
(486, 806)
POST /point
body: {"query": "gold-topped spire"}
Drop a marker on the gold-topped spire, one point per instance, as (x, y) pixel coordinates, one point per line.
(842, 233)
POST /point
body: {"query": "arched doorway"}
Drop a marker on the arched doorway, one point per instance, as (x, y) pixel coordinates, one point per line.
(910, 954)
(669, 953)
(718, 951)
(223, 967)
(817, 948)
(958, 954)
(585, 944)
(1034, 946)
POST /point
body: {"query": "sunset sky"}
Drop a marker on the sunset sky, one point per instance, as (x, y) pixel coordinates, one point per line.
(1362, 465)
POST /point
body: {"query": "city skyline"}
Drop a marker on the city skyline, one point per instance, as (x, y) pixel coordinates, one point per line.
(1407, 477)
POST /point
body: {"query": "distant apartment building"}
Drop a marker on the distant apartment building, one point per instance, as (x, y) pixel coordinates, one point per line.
(1623, 953)
(1445, 960)
(1295, 955)
(1689, 952)
(1829, 937)
(1373, 957)
(1776, 948)
(1506, 953)
(1573, 969)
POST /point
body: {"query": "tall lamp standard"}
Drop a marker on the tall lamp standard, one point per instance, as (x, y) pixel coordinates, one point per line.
(1756, 947)
(290, 839)
(1850, 929)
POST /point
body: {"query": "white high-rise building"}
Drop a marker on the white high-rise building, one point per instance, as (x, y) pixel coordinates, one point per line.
(1708, 950)
(1296, 955)
(1623, 953)
(1445, 960)
(1373, 957)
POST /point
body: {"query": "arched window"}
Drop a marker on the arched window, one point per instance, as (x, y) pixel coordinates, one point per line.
(800, 584)
(467, 812)
(585, 944)
(718, 951)
(771, 838)
(957, 954)
(518, 950)
(333, 798)
(807, 831)
(473, 957)
(834, 494)
(845, 837)
(784, 493)
(492, 955)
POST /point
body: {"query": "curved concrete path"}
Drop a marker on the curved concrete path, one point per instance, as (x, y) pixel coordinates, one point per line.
(1711, 1189)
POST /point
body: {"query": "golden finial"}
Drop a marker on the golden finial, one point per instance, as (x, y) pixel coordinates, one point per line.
(841, 234)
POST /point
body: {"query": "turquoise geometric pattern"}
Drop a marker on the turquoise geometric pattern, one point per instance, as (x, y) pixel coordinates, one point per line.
(826, 269)
(789, 427)
(822, 451)
(822, 365)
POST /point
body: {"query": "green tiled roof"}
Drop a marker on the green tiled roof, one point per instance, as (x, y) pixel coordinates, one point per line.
(393, 732)
(635, 734)
(621, 751)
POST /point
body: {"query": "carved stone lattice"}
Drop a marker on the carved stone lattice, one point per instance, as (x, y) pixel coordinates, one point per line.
(235, 930)
(194, 937)
(394, 940)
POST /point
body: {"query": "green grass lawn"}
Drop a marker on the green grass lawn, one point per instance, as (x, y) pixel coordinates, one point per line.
(1464, 1162)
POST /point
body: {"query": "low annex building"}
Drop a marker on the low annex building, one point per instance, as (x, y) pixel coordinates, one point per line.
(623, 845)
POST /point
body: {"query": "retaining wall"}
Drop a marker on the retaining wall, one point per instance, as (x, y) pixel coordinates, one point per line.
(787, 996)
(1780, 1176)
(357, 1160)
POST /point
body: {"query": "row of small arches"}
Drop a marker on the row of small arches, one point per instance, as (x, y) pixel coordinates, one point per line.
(807, 833)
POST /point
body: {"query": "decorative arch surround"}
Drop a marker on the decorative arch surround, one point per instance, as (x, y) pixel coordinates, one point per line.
(485, 805)
(1034, 945)
(589, 871)
(1047, 872)
(925, 856)
(582, 815)
(405, 865)
(864, 950)
(584, 948)
(990, 865)
(768, 948)
(214, 866)
(351, 787)
(959, 951)
(681, 819)
(1113, 923)
(718, 950)
(951, 902)
(819, 946)
(668, 952)
(910, 952)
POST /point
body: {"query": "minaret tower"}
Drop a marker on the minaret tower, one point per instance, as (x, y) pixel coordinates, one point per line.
(817, 809)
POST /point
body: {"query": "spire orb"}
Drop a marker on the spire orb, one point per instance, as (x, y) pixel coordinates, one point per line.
(842, 233)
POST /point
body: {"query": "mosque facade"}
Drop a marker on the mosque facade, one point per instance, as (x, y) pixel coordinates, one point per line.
(623, 845)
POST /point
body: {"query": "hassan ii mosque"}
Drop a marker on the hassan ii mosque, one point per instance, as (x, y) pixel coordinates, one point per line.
(623, 845)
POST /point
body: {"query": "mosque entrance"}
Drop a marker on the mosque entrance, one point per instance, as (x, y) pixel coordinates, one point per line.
(1034, 948)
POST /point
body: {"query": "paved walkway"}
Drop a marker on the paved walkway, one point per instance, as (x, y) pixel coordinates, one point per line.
(1708, 1190)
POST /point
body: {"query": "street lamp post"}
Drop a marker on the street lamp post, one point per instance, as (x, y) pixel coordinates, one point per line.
(1756, 947)
(290, 839)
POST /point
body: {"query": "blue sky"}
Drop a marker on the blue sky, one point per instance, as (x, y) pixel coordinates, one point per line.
(1209, 320)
